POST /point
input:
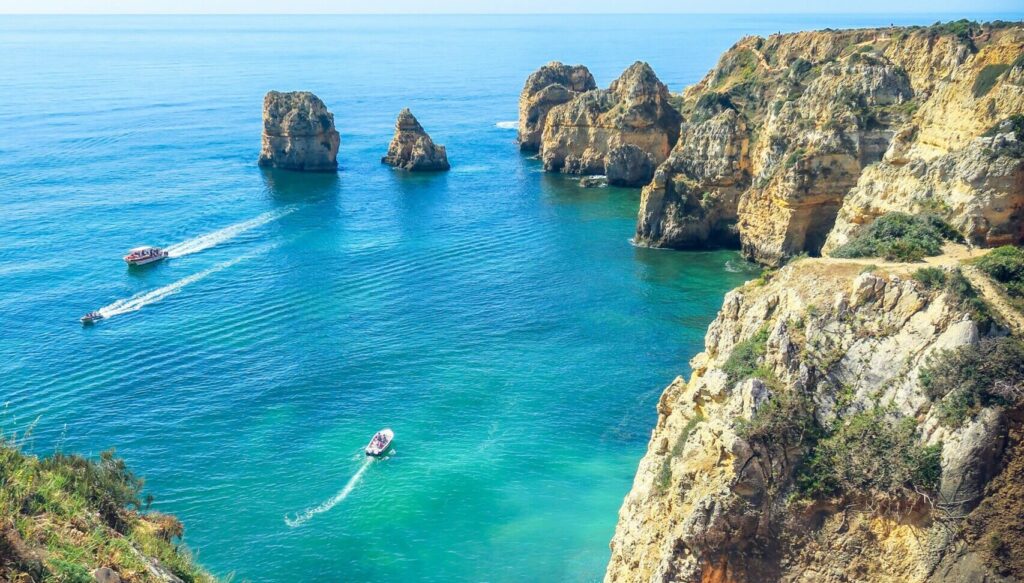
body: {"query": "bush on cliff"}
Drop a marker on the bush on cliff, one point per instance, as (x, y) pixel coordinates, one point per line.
(874, 456)
(64, 516)
(745, 360)
(1006, 266)
(900, 237)
(965, 380)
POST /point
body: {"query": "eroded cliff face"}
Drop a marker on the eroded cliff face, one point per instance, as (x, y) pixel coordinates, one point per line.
(628, 129)
(412, 149)
(551, 85)
(816, 114)
(719, 498)
(298, 133)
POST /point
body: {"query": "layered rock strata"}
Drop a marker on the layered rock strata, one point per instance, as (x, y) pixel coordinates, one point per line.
(622, 131)
(551, 85)
(791, 135)
(412, 149)
(298, 133)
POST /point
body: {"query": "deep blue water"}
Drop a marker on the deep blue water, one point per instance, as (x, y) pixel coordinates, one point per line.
(496, 317)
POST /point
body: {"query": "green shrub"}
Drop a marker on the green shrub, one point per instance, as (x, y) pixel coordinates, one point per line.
(795, 156)
(665, 475)
(968, 378)
(744, 360)
(930, 277)
(900, 237)
(967, 298)
(871, 454)
(986, 79)
(1006, 266)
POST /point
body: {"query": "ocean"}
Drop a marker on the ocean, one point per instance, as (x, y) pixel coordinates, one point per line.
(495, 317)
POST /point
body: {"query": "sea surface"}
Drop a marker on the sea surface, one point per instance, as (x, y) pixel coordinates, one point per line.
(496, 317)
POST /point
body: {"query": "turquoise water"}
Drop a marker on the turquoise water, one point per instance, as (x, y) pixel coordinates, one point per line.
(495, 317)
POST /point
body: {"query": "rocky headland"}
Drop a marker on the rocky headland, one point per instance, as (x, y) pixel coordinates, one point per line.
(551, 85)
(860, 416)
(623, 132)
(795, 142)
(412, 149)
(298, 133)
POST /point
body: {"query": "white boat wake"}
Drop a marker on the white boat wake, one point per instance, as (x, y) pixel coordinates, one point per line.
(302, 518)
(508, 125)
(203, 242)
(136, 302)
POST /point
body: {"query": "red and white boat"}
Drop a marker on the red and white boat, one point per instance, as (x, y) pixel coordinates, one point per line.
(380, 443)
(144, 255)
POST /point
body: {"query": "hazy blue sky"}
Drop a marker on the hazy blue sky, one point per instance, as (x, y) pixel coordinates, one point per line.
(503, 6)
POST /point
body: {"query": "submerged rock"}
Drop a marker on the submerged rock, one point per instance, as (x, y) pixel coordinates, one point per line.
(581, 135)
(412, 149)
(298, 133)
(596, 181)
(551, 85)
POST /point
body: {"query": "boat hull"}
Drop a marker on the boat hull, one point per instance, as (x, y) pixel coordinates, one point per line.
(146, 260)
(377, 448)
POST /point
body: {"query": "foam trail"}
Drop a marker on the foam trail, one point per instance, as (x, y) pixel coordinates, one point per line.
(302, 518)
(136, 302)
(508, 125)
(203, 242)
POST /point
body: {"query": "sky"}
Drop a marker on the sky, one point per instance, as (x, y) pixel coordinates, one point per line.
(502, 6)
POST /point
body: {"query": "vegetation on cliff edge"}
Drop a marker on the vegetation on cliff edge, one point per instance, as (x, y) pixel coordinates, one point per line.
(1006, 266)
(965, 380)
(64, 516)
(900, 237)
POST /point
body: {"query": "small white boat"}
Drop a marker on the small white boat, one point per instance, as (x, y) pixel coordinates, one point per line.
(144, 255)
(380, 443)
(91, 318)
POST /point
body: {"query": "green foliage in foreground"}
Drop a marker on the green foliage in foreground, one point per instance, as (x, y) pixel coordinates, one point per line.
(871, 453)
(960, 290)
(900, 237)
(745, 360)
(64, 516)
(964, 380)
(1006, 266)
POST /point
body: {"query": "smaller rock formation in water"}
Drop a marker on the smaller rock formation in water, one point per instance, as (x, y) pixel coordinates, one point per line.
(412, 149)
(551, 85)
(632, 118)
(596, 181)
(298, 133)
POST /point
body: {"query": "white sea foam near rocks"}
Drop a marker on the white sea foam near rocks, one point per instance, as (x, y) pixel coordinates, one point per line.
(508, 125)
(338, 498)
(203, 242)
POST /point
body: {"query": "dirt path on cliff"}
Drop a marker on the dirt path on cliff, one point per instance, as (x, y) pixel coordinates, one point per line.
(995, 299)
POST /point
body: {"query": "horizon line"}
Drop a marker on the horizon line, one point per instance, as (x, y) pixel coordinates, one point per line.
(1016, 13)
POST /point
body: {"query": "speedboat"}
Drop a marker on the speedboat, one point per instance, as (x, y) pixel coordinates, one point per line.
(144, 255)
(380, 443)
(91, 318)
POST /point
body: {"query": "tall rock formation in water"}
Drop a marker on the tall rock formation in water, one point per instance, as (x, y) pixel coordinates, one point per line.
(628, 128)
(298, 133)
(412, 149)
(551, 85)
(790, 136)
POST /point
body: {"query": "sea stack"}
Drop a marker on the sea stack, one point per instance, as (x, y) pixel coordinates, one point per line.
(412, 149)
(551, 85)
(624, 131)
(298, 133)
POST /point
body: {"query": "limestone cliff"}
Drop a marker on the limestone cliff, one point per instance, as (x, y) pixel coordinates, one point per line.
(412, 149)
(777, 135)
(551, 85)
(809, 444)
(298, 133)
(626, 129)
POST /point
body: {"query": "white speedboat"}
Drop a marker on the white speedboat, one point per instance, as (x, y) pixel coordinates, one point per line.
(144, 255)
(380, 443)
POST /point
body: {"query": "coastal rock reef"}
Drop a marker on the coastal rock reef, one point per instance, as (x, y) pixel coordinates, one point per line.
(796, 142)
(622, 132)
(412, 149)
(298, 133)
(551, 85)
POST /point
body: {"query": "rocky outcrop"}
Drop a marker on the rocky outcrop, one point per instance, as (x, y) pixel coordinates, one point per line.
(412, 149)
(298, 133)
(551, 85)
(720, 495)
(581, 135)
(824, 121)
